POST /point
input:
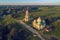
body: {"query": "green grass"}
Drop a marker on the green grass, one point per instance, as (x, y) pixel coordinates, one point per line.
(54, 14)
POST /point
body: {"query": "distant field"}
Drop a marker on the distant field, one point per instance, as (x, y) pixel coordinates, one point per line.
(43, 11)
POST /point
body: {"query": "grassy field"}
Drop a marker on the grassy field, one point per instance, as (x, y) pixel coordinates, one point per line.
(46, 13)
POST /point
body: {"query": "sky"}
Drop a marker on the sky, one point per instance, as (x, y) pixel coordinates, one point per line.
(29, 2)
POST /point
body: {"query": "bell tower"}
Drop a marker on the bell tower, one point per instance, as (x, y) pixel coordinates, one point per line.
(26, 16)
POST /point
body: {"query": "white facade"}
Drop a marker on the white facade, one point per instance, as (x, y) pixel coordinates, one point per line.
(39, 24)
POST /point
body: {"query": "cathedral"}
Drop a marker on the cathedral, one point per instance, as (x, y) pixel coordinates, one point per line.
(38, 23)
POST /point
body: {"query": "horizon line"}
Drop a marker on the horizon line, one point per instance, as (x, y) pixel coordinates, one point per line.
(30, 3)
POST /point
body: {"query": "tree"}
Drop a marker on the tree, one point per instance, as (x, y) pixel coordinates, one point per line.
(56, 23)
(8, 20)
